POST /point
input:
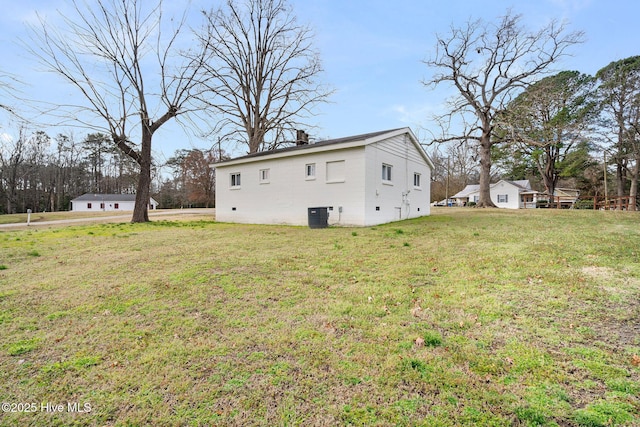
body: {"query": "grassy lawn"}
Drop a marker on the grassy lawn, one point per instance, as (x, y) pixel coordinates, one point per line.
(54, 216)
(466, 317)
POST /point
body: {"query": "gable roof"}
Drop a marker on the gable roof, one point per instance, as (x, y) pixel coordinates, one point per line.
(327, 145)
(524, 184)
(471, 188)
(97, 197)
(569, 192)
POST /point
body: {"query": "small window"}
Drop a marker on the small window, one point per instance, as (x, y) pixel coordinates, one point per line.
(503, 198)
(416, 180)
(88, 205)
(116, 205)
(101, 205)
(386, 172)
(264, 176)
(235, 179)
(310, 170)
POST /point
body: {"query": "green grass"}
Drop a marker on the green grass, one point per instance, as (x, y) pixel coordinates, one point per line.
(53, 216)
(466, 317)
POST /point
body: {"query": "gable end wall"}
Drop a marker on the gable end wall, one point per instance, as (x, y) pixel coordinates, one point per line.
(400, 199)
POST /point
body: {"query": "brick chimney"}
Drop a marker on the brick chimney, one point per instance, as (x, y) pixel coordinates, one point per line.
(302, 138)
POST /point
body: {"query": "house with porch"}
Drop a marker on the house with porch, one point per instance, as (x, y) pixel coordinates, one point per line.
(504, 194)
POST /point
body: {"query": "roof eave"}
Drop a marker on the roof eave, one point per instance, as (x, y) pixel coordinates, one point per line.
(330, 145)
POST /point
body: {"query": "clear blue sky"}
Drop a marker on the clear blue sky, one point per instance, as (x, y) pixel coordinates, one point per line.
(372, 51)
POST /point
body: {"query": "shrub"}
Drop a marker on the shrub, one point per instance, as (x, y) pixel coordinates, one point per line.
(584, 204)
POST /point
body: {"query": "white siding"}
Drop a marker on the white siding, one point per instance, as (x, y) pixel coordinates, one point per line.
(502, 188)
(347, 178)
(98, 205)
(398, 199)
(83, 206)
(512, 193)
(289, 192)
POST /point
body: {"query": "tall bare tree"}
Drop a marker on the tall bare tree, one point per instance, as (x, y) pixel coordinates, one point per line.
(12, 158)
(130, 72)
(21, 163)
(488, 65)
(263, 70)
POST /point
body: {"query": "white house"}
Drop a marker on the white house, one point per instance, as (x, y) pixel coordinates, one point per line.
(361, 180)
(91, 202)
(504, 194)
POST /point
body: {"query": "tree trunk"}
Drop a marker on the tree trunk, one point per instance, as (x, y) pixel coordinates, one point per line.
(140, 209)
(620, 183)
(485, 174)
(547, 169)
(633, 191)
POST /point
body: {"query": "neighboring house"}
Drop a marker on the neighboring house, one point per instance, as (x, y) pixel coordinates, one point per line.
(361, 180)
(462, 197)
(91, 202)
(504, 194)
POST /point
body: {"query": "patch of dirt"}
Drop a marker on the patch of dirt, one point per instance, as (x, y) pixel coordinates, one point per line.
(598, 272)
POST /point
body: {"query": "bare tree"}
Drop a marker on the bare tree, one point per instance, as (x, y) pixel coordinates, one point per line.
(12, 158)
(454, 168)
(103, 50)
(21, 163)
(69, 171)
(8, 83)
(263, 70)
(194, 175)
(488, 65)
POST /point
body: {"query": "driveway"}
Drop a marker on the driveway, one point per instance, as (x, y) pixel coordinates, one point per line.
(201, 213)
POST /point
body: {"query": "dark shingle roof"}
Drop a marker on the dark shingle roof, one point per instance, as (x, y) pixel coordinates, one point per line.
(316, 144)
(96, 197)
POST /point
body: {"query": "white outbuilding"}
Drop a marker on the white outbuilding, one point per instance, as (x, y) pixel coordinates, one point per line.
(95, 202)
(360, 180)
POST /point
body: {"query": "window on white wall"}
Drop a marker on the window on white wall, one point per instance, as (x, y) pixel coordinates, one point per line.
(335, 171)
(416, 180)
(503, 198)
(235, 179)
(264, 176)
(310, 171)
(386, 172)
